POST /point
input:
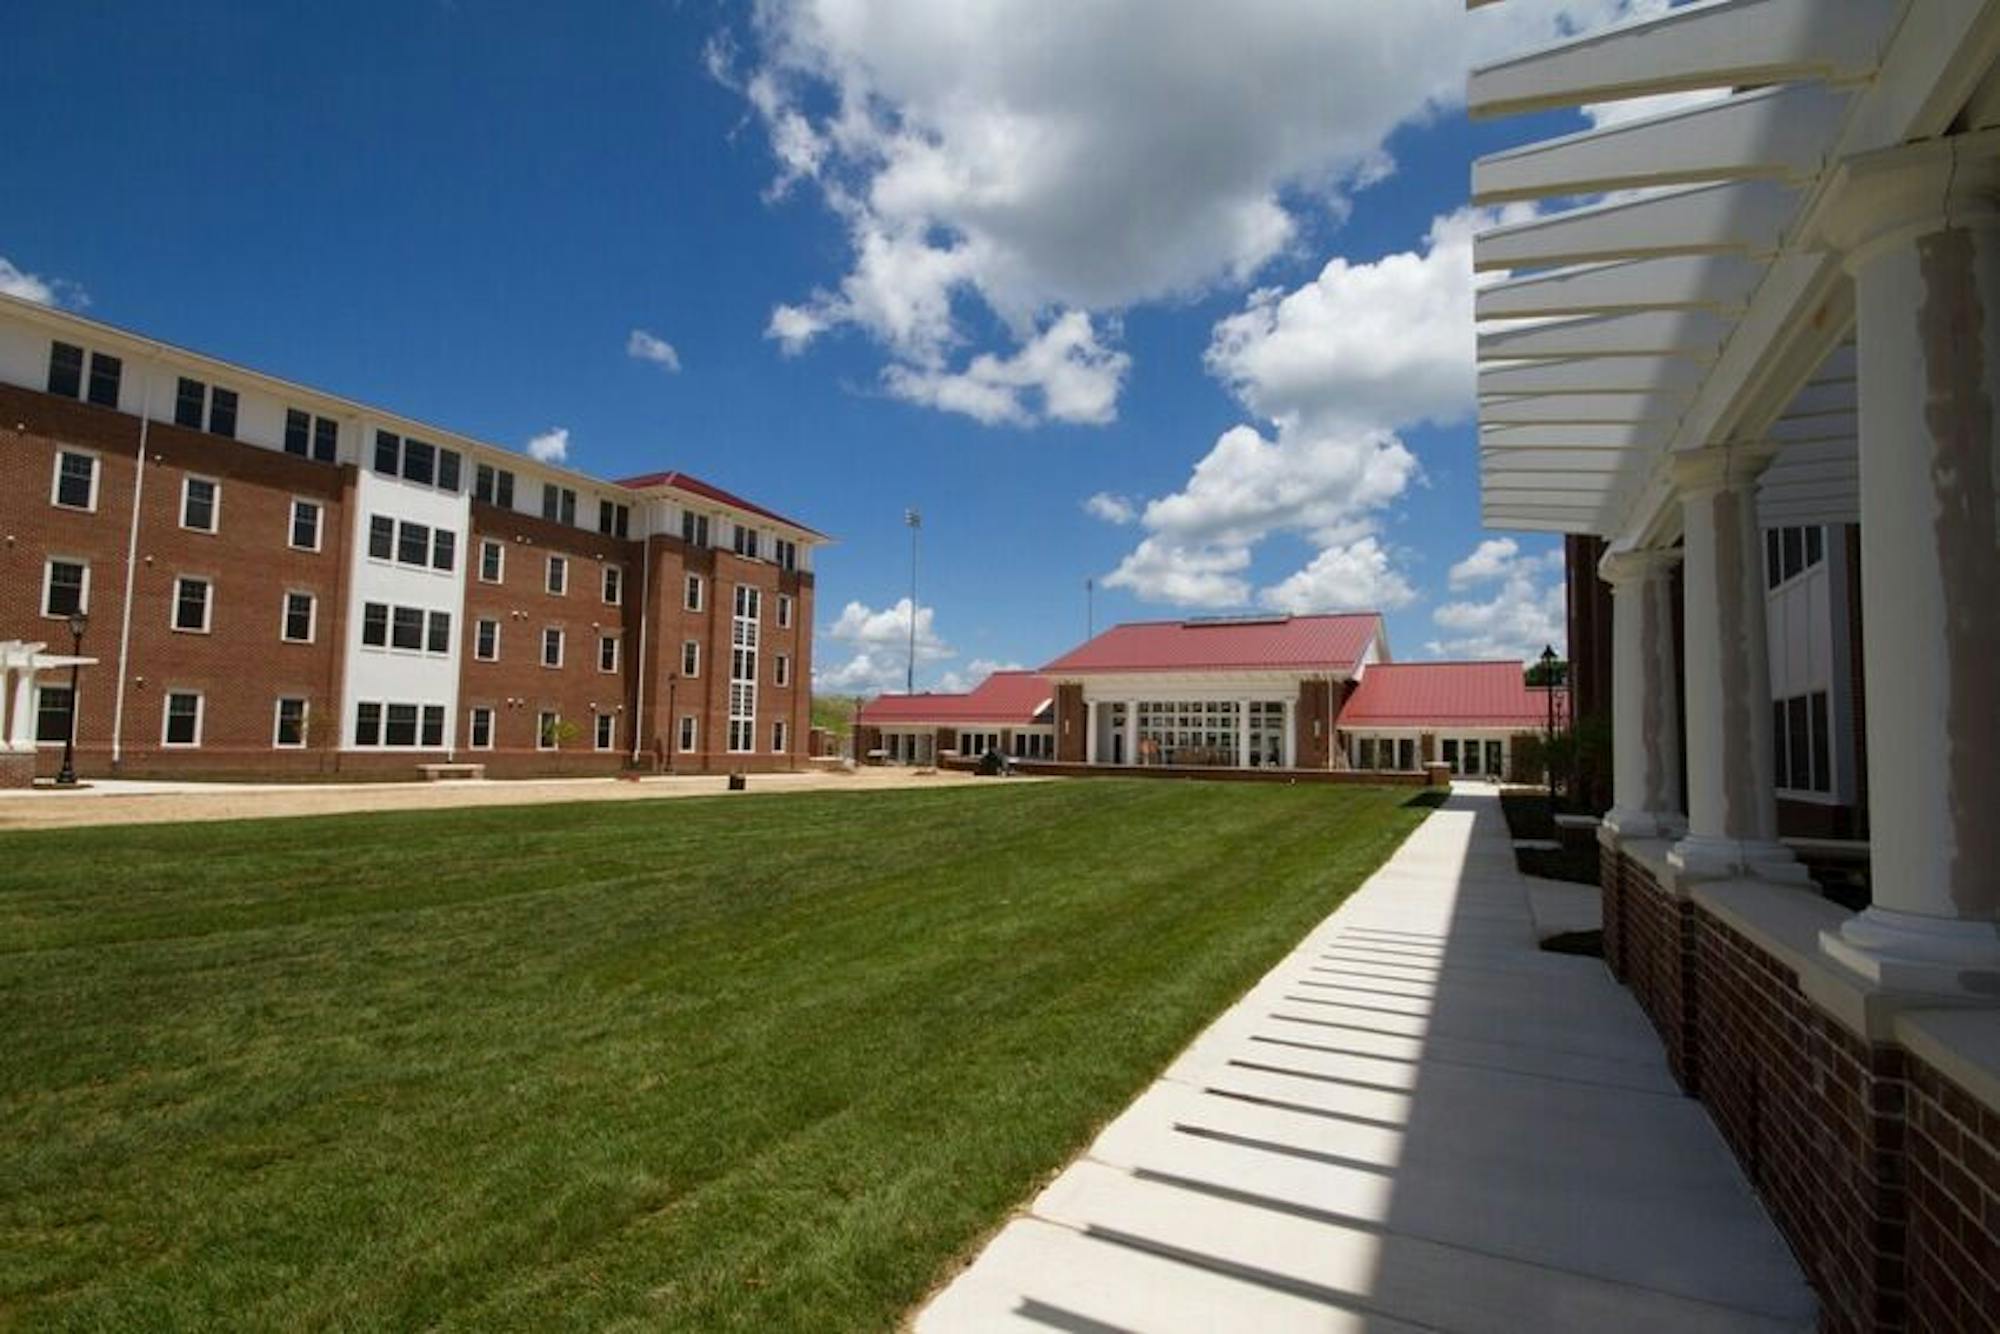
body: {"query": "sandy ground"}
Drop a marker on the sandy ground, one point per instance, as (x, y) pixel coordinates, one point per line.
(120, 802)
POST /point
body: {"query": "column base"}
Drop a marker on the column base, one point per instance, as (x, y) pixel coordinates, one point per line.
(1912, 953)
(1701, 857)
(1645, 824)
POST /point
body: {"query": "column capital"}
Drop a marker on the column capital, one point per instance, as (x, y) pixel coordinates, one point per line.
(1630, 568)
(1734, 466)
(1877, 200)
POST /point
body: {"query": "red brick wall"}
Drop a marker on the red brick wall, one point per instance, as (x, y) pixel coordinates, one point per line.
(1072, 724)
(1656, 958)
(1953, 1242)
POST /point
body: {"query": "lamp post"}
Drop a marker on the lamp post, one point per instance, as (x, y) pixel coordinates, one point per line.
(915, 521)
(1549, 692)
(78, 623)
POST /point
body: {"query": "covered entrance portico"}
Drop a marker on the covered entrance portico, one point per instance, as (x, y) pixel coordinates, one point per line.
(1211, 722)
(23, 727)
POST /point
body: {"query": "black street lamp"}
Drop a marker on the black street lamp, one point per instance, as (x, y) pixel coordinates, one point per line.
(78, 623)
(1549, 690)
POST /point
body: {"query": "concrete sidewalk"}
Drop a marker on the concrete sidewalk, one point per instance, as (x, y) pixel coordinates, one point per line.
(1416, 1121)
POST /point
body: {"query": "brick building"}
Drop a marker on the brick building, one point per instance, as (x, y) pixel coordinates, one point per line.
(279, 582)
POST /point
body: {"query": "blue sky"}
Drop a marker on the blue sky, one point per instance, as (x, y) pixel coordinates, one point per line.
(991, 260)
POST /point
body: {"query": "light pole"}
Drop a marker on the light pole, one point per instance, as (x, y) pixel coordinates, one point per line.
(916, 523)
(78, 623)
(1549, 690)
(1090, 608)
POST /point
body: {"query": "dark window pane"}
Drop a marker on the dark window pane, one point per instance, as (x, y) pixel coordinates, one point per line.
(438, 639)
(367, 724)
(482, 729)
(604, 517)
(488, 644)
(569, 507)
(298, 616)
(1781, 769)
(482, 483)
(298, 432)
(1774, 566)
(413, 544)
(1815, 545)
(75, 474)
(448, 466)
(408, 628)
(381, 536)
(189, 400)
(375, 624)
(433, 725)
(198, 505)
(489, 562)
(419, 461)
(1798, 742)
(444, 549)
(551, 501)
(191, 604)
(105, 373)
(183, 713)
(66, 369)
(1794, 551)
(622, 521)
(326, 439)
(402, 726)
(388, 453)
(1822, 744)
(607, 653)
(291, 722)
(52, 714)
(552, 648)
(305, 525)
(504, 496)
(222, 412)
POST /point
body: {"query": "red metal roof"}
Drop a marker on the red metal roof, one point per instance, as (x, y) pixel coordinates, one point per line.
(681, 481)
(1009, 698)
(1447, 694)
(1225, 643)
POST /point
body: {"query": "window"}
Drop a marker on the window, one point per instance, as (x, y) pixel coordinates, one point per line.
(786, 553)
(201, 498)
(66, 370)
(493, 486)
(607, 731)
(222, 412)
(607, 653)
(746, 541)
(76, 480)
(417, 461)
(180, 725)
(486, 641)
(548, 729)
(557, 581)
(778, 737)
(690, 657)
(437, 632)
(406, 628)
(1802, 748)
(691, 599)
(1790, 552)
(413, 543)
(781, 670)
(305, 525)
(105, 374)
(743, 670)
(316, 438)
(375, 624)
(434, 725)
(687, 733)
(444, 549)
(552, 647)
(400, 725)
(558, 504)
(694, 528)
(389, 453)
(448, 478)
(614, 520)
(407, 725)
(614, 585)
(299, 615)
(191, 599)
(190, 402)
(381, 537)
(289, 731)
(52, 706)
(367, 724)
(784, 612)
(479, 728)
(492, 562)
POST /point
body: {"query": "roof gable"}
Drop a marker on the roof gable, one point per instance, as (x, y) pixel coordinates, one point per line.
(1226, 643)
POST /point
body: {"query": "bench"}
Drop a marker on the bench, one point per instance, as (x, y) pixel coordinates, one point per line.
(439, 772)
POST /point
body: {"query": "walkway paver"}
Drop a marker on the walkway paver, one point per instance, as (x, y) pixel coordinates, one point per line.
(1416, 1121)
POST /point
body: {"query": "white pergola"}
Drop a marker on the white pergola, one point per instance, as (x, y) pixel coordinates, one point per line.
(20, 664)
(1779, 305)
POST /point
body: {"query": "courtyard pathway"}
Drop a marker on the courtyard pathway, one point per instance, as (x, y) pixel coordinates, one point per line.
(1417, 1120)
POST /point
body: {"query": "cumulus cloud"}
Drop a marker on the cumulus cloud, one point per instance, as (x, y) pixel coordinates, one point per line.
(977, 670)
(1356, 576)
(1111, 508)
(878, 641)
(18, 282)
(1063, 374)
(1525, 612)
(651, 347)
(551, 446)
(1055, 164)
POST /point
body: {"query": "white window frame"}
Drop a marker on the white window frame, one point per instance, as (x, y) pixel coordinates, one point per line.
(96, 478)
(617, 653)
(784, 611)
(692, 593)
(62, 685)
(690, 673)
(599, 737)
(285, 615)
(167, 713)
(545, 732)
(500, 567)
(471, 731)
(207, 606)
(277, 721)
(49, 564)
(562, 647)
(612, 572)
(554, 587)
(292, 523)
(477, 622)
(689, 734)
(214, 506)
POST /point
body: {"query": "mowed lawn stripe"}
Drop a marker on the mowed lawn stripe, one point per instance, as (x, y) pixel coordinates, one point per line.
(756, 1063)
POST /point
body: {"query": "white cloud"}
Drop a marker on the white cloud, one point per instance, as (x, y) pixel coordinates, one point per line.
(1353, 577)
(550, 446)
(880, 644)
(1525, 613)
(955, 682)
(1111, 508)
(651, 347)
(17, 282)
(1059, 161)
(1072, 376)
(1187, 574)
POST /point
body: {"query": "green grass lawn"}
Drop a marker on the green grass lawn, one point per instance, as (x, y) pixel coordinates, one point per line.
(752, 1063)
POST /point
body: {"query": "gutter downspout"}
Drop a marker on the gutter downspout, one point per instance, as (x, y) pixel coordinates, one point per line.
(645, 620)
(131, 565)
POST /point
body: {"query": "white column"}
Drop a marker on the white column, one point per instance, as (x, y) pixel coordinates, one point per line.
(1243, 734)
(1732, 798)
(1131, 731)
(1645, 719)
(1291, 740)
(1920, 226)
(1090, 732)
(21, 724)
